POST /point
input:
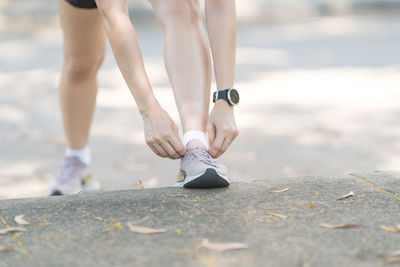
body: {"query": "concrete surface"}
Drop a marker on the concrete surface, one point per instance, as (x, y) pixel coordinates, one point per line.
(75, 230)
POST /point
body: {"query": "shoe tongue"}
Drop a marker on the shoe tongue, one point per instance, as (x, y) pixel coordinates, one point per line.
(196, 143)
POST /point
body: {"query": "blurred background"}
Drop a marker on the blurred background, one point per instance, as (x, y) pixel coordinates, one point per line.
(319, 83)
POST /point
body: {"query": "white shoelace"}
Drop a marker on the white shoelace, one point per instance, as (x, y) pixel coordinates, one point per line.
(201, 155)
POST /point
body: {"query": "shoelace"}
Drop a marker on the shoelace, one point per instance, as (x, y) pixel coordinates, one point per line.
(201, 155)
(67, 170)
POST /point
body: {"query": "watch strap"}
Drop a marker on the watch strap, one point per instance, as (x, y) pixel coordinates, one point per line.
(222, 94)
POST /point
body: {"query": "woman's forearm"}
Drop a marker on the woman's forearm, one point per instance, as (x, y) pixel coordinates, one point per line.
(221, 25)
(125, 46)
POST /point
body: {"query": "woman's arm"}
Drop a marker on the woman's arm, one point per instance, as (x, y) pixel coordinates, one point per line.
(221, 25)
(160, 131)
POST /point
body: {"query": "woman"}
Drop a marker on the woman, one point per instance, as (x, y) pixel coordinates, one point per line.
(189, 69)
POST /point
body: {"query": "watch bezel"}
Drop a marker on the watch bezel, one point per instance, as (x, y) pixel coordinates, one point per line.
(230, 99)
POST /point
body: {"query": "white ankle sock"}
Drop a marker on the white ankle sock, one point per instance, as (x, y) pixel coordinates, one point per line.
(82, 154)
(190, 135)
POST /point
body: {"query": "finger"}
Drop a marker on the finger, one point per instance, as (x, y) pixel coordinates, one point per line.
(154, 150)
(177, 146)
(211, 133)
(172, 154)
(227, 142)
(160, 149)
(219, 152)
(217, 144)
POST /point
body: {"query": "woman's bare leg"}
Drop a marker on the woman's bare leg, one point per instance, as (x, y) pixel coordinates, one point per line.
(84, 50)
(188, 62)
(187, 59)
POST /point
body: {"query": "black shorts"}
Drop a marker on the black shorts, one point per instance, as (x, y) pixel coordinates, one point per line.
(83, 3)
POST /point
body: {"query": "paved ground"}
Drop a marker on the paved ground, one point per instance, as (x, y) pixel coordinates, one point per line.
(280, 229)
(319, 96)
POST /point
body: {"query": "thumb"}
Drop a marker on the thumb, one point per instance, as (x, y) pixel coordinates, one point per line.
(211, 132)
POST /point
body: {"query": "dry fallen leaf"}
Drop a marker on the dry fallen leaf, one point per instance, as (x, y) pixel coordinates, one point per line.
(141, 185)
(395, 253)
(273, 215)
(390, 228)
(393, 257)
(279, 190)
(20, 219)
(5, 249)
(339, 226)
(11, 230)
(350, 194)
(390, 260)
(144, 230)
(311, 205)
(260, 220)
(115, 225)
(222, 246)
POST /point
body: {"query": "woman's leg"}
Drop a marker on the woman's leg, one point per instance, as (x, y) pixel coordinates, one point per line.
(187, 58)
(84, 50)
(188, 61)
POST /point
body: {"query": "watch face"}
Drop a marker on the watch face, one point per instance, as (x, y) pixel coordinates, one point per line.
(234, 96)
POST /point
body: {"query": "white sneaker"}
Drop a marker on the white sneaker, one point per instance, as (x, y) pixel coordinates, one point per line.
(200, 170)
(73, 177)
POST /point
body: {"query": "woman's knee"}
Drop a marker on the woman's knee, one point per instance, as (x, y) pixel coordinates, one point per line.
(81, 69)
(177, 13)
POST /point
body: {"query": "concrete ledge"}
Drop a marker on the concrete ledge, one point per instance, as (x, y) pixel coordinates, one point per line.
(91, 229)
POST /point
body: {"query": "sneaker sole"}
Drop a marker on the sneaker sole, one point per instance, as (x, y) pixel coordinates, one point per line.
(209, 179)
(90, 184)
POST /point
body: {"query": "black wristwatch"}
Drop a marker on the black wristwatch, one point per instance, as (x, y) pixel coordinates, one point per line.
(230, 95)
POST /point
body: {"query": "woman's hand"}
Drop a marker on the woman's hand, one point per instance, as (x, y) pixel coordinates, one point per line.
(221, 128)
(161, 134)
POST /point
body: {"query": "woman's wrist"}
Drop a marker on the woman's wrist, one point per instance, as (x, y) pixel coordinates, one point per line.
(222, 104)
(147, 106)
